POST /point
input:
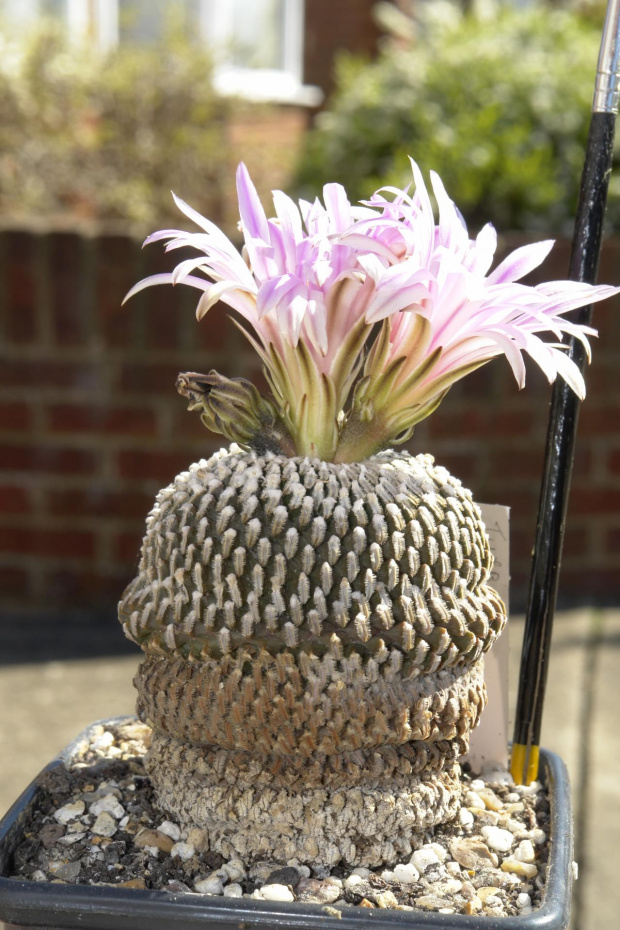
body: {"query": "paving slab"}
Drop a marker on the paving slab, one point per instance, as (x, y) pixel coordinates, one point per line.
(600, 851)
(44, 706)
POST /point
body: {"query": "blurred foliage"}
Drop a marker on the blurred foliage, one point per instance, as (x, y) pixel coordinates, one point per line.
(108, 137)
(496, 99)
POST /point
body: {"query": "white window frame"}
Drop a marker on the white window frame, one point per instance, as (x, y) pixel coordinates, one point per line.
(284, 85)
(97, 19)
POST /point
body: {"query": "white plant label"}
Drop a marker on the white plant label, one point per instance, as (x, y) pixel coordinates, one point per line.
(489, 741)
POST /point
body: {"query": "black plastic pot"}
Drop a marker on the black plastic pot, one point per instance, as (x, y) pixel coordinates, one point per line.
(49, 906)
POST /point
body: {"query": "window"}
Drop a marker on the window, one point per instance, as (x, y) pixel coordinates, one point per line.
(257, 44)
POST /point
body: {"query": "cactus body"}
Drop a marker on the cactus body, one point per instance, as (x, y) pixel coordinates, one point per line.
(314, 636)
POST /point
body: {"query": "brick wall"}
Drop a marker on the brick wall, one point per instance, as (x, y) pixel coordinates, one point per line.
(91, 425)
(332, 28)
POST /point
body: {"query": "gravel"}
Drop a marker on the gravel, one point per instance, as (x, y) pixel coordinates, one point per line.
(98, 824)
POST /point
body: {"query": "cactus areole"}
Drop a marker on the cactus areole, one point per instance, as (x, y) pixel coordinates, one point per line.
(314, 605)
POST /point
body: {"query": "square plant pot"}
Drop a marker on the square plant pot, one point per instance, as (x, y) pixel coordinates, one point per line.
(48, 906)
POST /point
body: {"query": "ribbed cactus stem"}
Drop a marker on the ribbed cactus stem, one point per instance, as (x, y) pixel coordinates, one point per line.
(325, 623)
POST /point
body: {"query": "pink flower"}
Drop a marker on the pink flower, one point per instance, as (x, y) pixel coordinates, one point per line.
(313, 280)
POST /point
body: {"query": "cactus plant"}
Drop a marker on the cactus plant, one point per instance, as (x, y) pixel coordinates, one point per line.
(313, 605)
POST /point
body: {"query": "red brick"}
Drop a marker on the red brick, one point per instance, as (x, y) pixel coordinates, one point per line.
(68, 284)
(15, 417)
(46, 459)
(13, 500)
(459, 421)
(509, 423)
(153, 466)
(50, 373)
(155, 378)
(575, 540)
(611, 540)
(216, 330)
(188, 425)
(47, 543)
(518, 463)
(20, 285)
(591, 583)
(162, 306)
(463, 465)
(72, 418)
(613, 456)
(599, 420)
(116, 271)
(522, 499)
(593, 500)
(127, 547)
(99, 502)
(14, 582)
(85, 587)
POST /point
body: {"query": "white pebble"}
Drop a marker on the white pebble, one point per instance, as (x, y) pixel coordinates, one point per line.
(110, 805)
(493, 901)
(168, 828)
(151, 850)
(38, 876)
(386, 899)
(70, 812)
(523, 900)
(211, 885)
(525, 869)
(528, 790)
(453, 868)
(515, 826)
(466, 817)
(406, 872)
(499, 777)
(361, 871)
(233, 891)
(423, 858)
(525, 851)
(104, 825)
(513, 797)
(183, 850)
(332, 880)
(234, 869)
(473, 799)
(104, 741)
(498, 839)
(477, 784)
(353, 882)
(537, 836)
(276, 892)
(442, 854)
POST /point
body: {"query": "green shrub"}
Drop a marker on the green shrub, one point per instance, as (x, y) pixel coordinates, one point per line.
(108, 137)
(496, 100)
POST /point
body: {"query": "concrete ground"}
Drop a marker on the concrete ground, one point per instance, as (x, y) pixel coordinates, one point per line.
(44, 705)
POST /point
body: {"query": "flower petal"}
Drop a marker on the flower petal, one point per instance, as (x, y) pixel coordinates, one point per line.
(521, 262)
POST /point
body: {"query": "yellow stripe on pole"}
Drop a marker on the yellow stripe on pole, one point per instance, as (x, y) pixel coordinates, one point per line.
(524, 763)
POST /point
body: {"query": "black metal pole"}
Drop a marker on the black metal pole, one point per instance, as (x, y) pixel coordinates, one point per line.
(564, 414)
